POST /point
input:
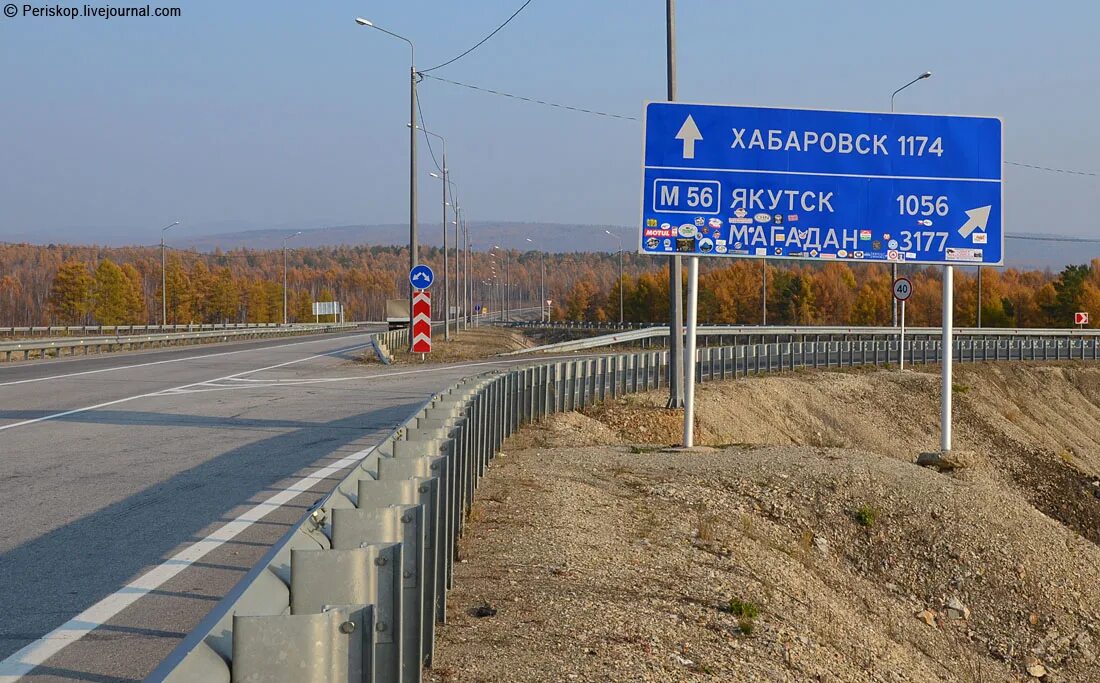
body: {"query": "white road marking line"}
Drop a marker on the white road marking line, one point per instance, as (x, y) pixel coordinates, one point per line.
(34, 654)
(171, 360)
(107, 404)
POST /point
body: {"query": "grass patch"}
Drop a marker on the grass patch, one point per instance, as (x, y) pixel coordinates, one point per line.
(706, 529)
(806, 541)
(478, 512)
(959, 388)
(867, 515)
(746, 613)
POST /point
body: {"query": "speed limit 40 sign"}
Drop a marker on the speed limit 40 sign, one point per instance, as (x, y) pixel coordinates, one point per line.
(903, 289)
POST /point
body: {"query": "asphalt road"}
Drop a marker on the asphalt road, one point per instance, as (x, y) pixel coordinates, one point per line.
(114, 466)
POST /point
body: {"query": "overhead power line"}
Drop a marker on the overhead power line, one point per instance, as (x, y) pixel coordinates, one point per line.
(1040, 238)
(427, 138)
(482, 41)
(594, 112)
(531, 99)
(1054, 170)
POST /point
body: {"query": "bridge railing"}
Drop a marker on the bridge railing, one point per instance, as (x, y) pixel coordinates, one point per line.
(355, 590)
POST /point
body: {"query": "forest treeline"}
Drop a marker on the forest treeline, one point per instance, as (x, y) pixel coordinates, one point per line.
(63, 284)
(839, 293)
(73, 285)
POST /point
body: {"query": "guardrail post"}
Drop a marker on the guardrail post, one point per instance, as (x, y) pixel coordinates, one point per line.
(417, 569)
(367, 575)
(308, 648)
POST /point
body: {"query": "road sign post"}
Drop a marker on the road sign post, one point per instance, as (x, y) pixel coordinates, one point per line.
(421, 278)
(756, 182)
(422, 321)
(903, 289)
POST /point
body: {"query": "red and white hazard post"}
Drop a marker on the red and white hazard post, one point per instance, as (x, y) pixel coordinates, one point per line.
(422, 321)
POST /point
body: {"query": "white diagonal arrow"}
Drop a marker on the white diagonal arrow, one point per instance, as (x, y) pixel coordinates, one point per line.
(423, 338)
(976, 219)
(422, 317)
(689, 133)
(421, 295)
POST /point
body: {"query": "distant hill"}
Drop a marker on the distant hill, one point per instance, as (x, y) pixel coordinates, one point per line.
(554, 237)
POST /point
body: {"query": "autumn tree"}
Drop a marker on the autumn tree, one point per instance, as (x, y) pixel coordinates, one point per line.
(112, 295)
(834, 288)
(135, 294)
(201, 283)
(302, 310)
(71, 293)
(223, 299)
(179, 292)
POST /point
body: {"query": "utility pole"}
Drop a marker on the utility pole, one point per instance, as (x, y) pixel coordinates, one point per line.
(764, 291)
(446, 273)
(894, 266)
(413, 243)
(164, 278)
(468, 293)
(289, 237)
(675, 293)
(979, 296)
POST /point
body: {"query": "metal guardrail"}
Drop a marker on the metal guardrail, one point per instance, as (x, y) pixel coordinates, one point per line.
(45, 348)
(68, 330)
(750, 334)
(354, 591)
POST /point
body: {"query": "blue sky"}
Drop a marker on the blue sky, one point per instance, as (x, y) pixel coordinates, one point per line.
(242, 114)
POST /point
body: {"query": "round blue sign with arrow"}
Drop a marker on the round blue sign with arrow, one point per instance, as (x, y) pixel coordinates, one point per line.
(421, 277)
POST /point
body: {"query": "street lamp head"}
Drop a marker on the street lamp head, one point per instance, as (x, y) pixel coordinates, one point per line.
(926, 74)
(363, 22)
(434, 175)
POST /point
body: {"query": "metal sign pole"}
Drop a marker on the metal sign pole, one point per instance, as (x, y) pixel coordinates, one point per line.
(946, 353)
(901, 341)
(689, 351)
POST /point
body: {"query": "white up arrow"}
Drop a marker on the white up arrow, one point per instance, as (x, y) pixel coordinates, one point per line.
(975, 220)
(689, 133)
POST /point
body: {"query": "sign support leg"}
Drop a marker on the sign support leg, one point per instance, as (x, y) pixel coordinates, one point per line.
(946, 354)
(689, 351)
(901, 340)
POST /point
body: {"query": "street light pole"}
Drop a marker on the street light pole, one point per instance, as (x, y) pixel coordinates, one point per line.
(894, 267)
(164, 278)
(288, 237)
(413, 244)
(542, 267)
(461, 300)
(620, 238)
(675, 293)
(466, 270)
(764, 291)
(446, 272)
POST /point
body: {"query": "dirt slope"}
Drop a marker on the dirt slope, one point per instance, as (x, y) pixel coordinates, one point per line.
(619, 562)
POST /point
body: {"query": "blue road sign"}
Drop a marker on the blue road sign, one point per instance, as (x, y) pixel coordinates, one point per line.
(818, 185)
(421, 277)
